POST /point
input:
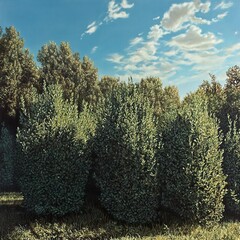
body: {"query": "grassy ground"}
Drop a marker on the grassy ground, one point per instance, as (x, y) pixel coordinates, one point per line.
(15, 223)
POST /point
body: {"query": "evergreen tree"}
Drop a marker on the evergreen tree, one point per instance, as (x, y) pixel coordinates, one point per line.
(194, 182)
(126, 147)
(232, 168)
(52, 149)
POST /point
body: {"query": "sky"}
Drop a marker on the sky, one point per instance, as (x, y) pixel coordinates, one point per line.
(179, 41)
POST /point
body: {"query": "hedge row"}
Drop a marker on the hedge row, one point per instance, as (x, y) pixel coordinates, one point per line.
(139, 166)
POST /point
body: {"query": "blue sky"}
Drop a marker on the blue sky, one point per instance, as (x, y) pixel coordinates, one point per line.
(179, 41)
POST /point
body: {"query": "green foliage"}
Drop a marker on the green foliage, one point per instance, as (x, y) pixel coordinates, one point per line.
(126, 146)
(89, 90)
(7, 158)
(60, 65)
(194, 182)
(232, 168)
(108, 84)
(215, 95)
(18, 73)
(53, 148)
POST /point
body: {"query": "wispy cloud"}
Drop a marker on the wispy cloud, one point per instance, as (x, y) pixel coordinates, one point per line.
(156, 18)
(91, 28)
(115, 58)
(223, 5)
(115, 11)
(94, 49)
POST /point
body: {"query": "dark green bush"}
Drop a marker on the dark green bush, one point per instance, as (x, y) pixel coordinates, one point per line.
(194, 183)
(7, 158)
(53, 163)
(232, 168)
(126, 145)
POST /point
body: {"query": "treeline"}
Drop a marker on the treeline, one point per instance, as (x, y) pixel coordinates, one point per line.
(144, 152)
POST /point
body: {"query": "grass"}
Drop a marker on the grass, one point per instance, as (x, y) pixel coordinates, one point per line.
(16, 224)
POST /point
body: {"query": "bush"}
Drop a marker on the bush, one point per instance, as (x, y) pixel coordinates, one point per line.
(126, 145)
(232, 168)
(194, 182)
(7, 159)
(53, 163)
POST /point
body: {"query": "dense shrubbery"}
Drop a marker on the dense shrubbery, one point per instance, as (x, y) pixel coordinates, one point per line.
(232, 168)
(7, 158)
(150, 151)
(193, 180)
(53, 163)
(126, 147)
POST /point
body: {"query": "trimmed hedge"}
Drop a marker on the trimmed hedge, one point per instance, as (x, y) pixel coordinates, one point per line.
(7, 159)
(126, 146)
(232, 168)
(53, 148)
(193, 179)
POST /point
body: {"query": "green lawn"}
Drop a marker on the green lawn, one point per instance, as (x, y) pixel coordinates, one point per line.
(15, 223)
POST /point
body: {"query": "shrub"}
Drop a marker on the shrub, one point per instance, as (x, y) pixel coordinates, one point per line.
(194, 182)
(7, 159)
(53, 162)
(232, 168)
(125, 147)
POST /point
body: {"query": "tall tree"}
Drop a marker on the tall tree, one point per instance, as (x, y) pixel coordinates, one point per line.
(107, 84)
(60, 65)
(194, 183)
(18, 74)
(126, 147)
(89, 90)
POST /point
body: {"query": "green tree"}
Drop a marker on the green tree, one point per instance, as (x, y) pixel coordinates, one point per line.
(232, 168)
(107, 84)
(126, 147)
(18, 74)
(215, 96)
(52, 149)
(60, 65)
(7, 159)
(89, 90)
(193, 179)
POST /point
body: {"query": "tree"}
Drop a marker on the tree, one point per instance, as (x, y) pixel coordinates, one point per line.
(232, 168)
(108, 84)
(126, 147)
(193, 179)
(7, 159)
(18, 75)
(53, 154)
(152, 88)
(89, 90)
(60, 65)
(215, 96)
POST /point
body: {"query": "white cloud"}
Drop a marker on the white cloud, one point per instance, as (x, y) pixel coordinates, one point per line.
(156, 18)
(179, 16)
(94, 49)
(155, 33)
(115, 58)
(236, 33)
(136, 41)
(220, 17)
(116, 11)
(193, 39)
(233, 49)
(223, 5)
(125, 4)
